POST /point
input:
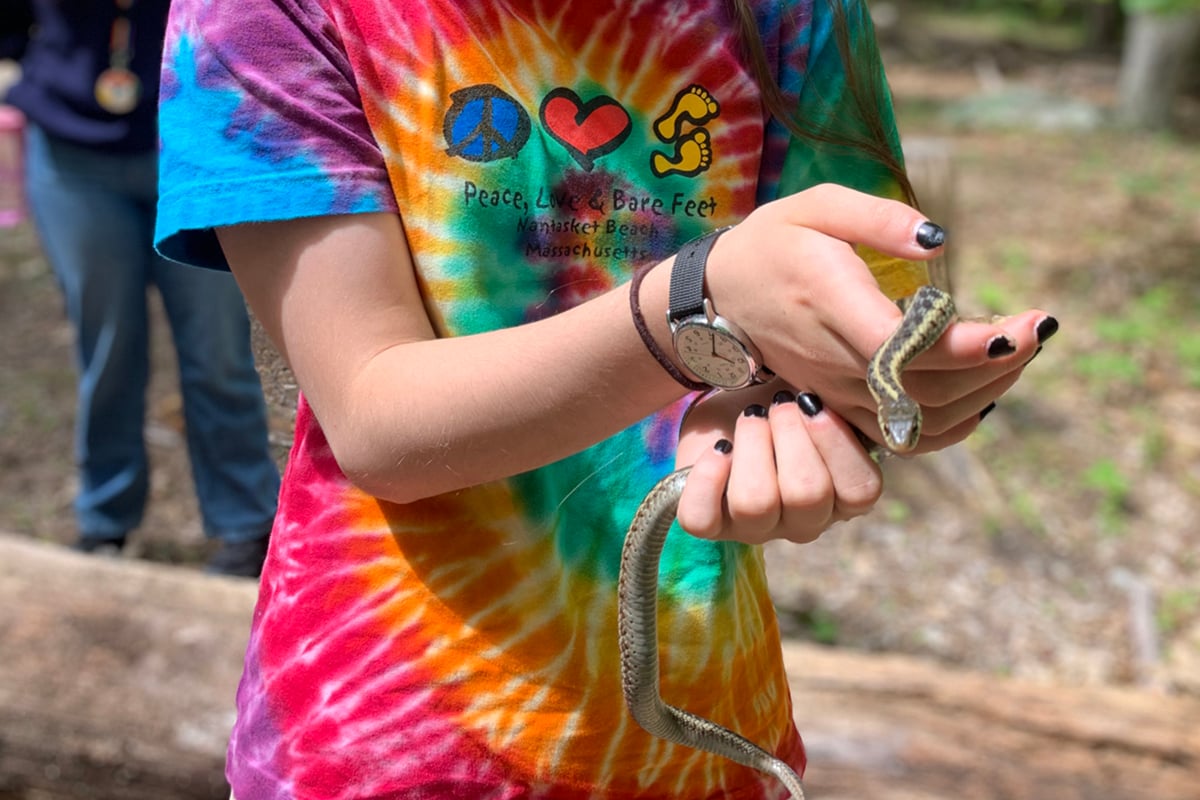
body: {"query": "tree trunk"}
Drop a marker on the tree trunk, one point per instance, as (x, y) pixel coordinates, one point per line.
(1158, 48)
(1102, 26)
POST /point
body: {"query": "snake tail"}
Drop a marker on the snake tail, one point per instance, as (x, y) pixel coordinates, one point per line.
(927, 316)
(638, 637)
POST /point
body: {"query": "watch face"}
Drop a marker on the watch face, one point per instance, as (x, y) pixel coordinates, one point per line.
(714, 356)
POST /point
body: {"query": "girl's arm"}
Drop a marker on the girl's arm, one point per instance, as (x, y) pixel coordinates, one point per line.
(410, 416)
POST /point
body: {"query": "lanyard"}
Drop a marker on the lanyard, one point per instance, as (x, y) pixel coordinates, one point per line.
(117, 87)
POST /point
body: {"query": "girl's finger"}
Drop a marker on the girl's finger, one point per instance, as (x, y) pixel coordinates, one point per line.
(889, 226)
(752, 496)
(998, 345)
(702, 503)
(938, 421)
(806, 492)
(939, 441)
(857, 479)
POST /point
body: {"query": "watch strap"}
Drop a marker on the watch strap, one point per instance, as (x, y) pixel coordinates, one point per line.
(639, 322)
(686, 295)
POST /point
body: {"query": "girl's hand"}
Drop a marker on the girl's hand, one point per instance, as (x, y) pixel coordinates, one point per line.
(789, 276)
(792, 469)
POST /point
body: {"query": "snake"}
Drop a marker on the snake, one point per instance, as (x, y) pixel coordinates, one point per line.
(926, 316)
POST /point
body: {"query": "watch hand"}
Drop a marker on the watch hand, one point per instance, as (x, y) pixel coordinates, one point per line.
(721, 355)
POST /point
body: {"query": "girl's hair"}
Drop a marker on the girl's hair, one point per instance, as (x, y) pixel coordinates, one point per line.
(864, 81)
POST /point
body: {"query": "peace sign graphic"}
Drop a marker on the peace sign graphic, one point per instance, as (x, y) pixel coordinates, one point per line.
(485, 124)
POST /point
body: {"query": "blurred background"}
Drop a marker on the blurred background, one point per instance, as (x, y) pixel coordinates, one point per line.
(1063, 539)
(1059, 143)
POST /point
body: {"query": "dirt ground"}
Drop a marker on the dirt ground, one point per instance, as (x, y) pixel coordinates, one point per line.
(1060, 542)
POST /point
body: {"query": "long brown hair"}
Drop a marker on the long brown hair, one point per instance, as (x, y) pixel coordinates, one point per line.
(865, 83)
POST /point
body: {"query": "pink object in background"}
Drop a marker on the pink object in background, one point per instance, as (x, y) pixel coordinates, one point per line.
(12, 167)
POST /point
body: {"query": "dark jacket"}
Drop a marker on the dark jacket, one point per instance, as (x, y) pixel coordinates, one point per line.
(63, 46)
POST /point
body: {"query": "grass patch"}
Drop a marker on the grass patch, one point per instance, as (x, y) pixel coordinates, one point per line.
(1102, 370)
(1187, 350)
(1154, 325)
(1176, 608)
(1113, 487)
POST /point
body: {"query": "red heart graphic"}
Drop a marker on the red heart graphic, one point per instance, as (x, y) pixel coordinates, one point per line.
(588, 130)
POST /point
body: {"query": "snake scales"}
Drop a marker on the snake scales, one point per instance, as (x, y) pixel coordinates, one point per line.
(925, 318)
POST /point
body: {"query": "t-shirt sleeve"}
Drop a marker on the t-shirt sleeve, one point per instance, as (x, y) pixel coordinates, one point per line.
(850, 120)
(845, 106)
(260, 120)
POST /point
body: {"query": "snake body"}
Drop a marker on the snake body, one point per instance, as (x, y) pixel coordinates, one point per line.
(927, 315)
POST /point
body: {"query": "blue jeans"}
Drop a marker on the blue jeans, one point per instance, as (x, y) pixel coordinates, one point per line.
(94, 214)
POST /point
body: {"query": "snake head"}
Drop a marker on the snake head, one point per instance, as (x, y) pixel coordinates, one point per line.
(900, 423)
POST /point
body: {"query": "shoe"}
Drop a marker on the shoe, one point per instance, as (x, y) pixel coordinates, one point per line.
(239, 559)
(99, 545)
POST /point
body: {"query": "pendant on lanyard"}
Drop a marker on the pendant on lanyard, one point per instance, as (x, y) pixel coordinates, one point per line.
(118, 89)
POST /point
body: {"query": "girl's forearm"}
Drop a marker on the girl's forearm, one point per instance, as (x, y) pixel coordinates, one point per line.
(427, 417)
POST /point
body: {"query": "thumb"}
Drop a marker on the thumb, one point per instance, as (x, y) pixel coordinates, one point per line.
(876, 223)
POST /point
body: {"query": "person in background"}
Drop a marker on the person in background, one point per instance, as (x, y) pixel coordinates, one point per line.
(89, 90)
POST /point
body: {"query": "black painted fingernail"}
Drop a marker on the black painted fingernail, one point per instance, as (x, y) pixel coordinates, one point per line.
(983, 414)
(931, 235)
(723, 446)
(1047, 327)
(755, 410)
(1001, 346)
(783, 396)
(810, 404)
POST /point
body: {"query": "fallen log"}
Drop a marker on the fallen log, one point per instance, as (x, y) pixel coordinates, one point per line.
(895, 728)
(117, 680)
(117, 677)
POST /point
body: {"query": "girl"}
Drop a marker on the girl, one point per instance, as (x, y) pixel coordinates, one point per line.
(435, 209)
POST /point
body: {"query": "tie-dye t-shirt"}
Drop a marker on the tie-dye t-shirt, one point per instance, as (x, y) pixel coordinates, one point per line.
(537, 151)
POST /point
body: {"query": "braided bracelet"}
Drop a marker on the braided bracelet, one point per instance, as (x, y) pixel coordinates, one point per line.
(639, 322)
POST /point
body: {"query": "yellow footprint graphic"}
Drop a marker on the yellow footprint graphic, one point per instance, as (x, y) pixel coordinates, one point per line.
(694, 104)
(693, 155)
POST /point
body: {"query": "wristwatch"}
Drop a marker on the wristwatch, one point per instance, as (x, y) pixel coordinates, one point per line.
(709, 346)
